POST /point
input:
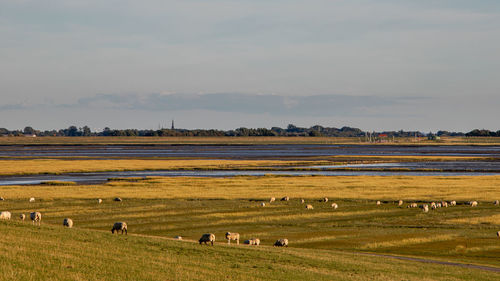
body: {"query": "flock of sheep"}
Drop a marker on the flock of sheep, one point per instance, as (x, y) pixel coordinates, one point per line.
(36, 218)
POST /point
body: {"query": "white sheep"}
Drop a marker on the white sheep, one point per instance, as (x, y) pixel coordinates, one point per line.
(378, 203)
(32, 199)
(1, 198)
(272, 200)
(498, 234)
(496, 203)
(178, 237)
(281, 243)
(233, 236)
(119, 226)
(473, 203)
(68, 222)
(400, 202)
(262, 204)
(36, 217)
(99, 201)
(5, 215)
(425, 208)
(309, 207)
(453, 203)
(335, 206)
(22, 217)
(302, 201)
(325, 199)
(207, 237)
(253, 241)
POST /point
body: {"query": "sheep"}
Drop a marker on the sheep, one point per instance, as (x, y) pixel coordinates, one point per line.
(496, 203)
(207, 237)
(233, 236)
(309, 207)
(433, 205)
(335, 206)
(32, 199)
(473, 203)
(22, 217)
(325, 199)
(117, 199)
(400, 202)
(412, 205)
(378, 203)
(272, 200)
(453, 203)
(178, 237)
(253, 241)
(281, 243)
(99, 201)
(1, 198)
(286, 198)
(444, 204)
(119, 226)
(36, 217)
(498, 234)
(302, 201)
(262, 204)
(438, 205)
(5, 215)
(68, 222)
(425, 208)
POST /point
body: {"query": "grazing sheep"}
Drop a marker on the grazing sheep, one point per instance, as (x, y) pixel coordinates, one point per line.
(178, 237)
(117, 199)
(281, 243)
(425, 208)
(272, 200)
(253, 241)
(496, 202)
(207, 237)
(453, 203)
(473, 203)
(438, 205)
(413, 205)
(1, 198)
(119, 226)
(36, 217)
(5, 215)
(233, 236)
(433, 205)
(325, 199)
(262, 204)
(309, 207)
(32, 199)
(335, 206)
(378, 203)
(99, 201)
(400, 202)
(444, 204)
(68, 222)
(22, 217)
(498, 234)
(286, 198)
(302, 201)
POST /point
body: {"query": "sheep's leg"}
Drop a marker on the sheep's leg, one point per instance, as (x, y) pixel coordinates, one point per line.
(126, 233)
(229, 241)
(237, 241)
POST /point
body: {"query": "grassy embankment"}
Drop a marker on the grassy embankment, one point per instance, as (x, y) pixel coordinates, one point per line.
(165, 207)
(58, 166)
(237, 140)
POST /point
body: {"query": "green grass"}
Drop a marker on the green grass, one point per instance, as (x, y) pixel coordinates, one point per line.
(56, 253)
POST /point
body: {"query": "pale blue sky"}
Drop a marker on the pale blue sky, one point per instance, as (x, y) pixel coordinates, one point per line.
(376, 65)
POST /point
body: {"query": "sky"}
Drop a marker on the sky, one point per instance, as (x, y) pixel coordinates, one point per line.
(423, 65)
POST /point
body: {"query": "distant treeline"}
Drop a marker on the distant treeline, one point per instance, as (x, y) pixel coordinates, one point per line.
(290, 131)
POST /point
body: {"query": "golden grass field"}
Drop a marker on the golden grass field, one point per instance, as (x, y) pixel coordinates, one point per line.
(325, 244)
(72, 165)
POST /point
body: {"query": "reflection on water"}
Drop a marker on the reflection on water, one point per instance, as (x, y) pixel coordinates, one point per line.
(102, 177)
